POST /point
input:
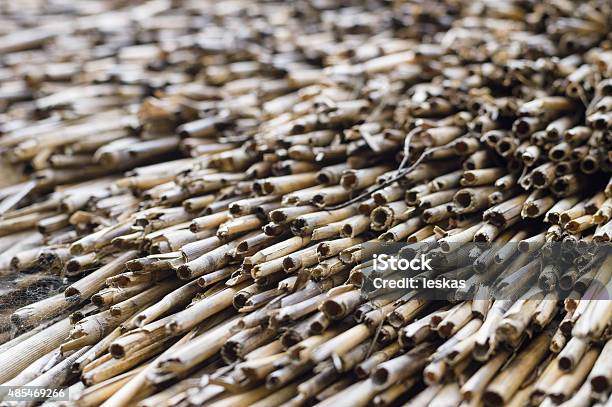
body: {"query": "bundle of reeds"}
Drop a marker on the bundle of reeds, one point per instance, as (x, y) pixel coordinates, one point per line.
(201, 180)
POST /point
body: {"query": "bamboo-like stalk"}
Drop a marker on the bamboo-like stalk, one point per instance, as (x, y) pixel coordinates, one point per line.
(501, 389)
(135, 384)
(569, 382)
(188, 318)
(41, 310)
(31, 372)
(114, 367)
(572, 352)
(100, 392)
(90, 284)
(59, 374)
(16, 358)
(600, 375)
(401, 367)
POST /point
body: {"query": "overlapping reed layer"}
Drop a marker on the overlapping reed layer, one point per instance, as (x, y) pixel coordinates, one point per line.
(202, 175)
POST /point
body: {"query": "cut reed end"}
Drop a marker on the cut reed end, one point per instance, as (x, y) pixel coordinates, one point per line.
(444, 246)
(557, 398)
(572, 226)
(480, 267)
(396, 320)
(347, 230)
(184, 272)
(528, 159)
(78, 366)
(504, 147)
(242, 247)
(566, 363)
(557, 154)
(298, 227)
(316, 327)
(97, 300)
(600, 123)
(332, 309)
(278, 216)
(140, 320)
(564, 218)
(360, 371)
(117, 350)
(273, 229)
(462, 146)
(492, 399)
(347, 257)
(379, 198)
(538, 179)
(72, 266)
(469, 165)
(553, 218)
(463, 199)
(323, 178)
(521, 127)
(235, 209)
(267, 188)
(319, 200)
(230, 351)
(381, 218)
(357, 279)
(365, 208)
(589, 165)
(349, 180)
(71, 291)
(573, 89)
(258, 188)
(445, 330)
(173, 327)
(559, 186)
(523, 246)
(240, 299)
(412, 197)
(290, 338)
(159, 248)
(530, 210)
(497, 219)
(66, 208)
(566, 282)
(567, 325)
(481, 351)
(77, 249)
(324, 249)
(380, 376)
(525, 183)
(388, 237)
(273, 381)
(491, 138)
(134, 265)
(600, 384)
(546, 282)
(290, 264)
(469, 177)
